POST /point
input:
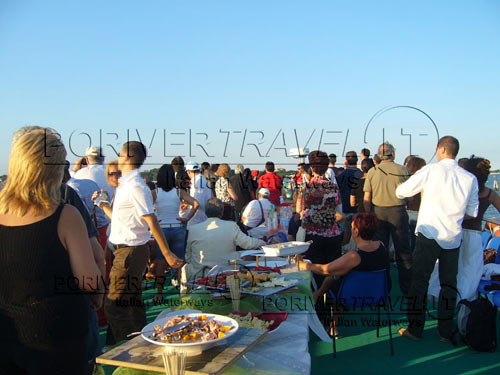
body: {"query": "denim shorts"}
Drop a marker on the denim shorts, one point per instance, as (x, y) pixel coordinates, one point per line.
(176, 239)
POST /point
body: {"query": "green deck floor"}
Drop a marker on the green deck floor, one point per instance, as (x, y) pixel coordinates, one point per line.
(360, 351)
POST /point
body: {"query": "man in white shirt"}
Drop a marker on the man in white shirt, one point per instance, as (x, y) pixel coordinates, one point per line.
(200, 190)
(133, 216)
(213, 242)
(96, 171)
(332, 171)
(256, 214)
(450, 194)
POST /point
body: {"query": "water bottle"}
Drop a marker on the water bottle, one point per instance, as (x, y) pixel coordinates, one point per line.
(285, 216)
(271, 224)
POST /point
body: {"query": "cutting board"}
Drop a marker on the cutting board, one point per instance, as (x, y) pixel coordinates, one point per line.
(142, 355)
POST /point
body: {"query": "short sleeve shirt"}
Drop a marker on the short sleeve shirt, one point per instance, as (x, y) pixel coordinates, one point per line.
(273, 182)
(133, 200)
(348, 180)
(382, 182)
(253, 213)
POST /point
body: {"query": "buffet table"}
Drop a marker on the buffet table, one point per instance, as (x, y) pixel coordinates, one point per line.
(269, 353)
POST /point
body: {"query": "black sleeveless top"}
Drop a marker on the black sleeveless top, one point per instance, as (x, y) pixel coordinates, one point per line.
(41, 305)
(373, 260)
(475, 224)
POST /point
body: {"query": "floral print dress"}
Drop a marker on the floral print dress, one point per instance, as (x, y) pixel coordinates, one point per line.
(320, 198)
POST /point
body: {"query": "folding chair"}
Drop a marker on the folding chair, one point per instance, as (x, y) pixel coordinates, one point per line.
(360, 289)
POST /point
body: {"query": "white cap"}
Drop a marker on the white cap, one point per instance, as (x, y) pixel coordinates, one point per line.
(93, 151)
(192, 166)
(264, 192)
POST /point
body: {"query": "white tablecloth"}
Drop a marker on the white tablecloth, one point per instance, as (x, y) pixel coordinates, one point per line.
(274, 354)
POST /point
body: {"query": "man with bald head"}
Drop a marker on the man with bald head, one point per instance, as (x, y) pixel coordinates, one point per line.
(380, 191)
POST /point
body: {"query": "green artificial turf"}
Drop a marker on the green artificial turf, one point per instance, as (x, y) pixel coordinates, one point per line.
(360, 351)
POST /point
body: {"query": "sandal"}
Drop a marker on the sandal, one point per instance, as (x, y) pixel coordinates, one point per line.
(406, 333)
(158, 299)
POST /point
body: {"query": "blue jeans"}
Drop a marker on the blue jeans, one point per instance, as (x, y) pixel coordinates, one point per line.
(176, 239)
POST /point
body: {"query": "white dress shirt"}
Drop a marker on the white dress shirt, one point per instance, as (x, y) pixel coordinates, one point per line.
(449, 192)
(133, 199)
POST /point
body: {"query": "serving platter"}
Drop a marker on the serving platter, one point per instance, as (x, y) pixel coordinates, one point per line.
(275, 317)
(143, 355)
(196, 347)
(263, 291)
(270, 263)
(286, 248)
(215, 282)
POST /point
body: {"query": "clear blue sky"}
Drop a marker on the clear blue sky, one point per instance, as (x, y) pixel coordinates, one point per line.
(259, 66)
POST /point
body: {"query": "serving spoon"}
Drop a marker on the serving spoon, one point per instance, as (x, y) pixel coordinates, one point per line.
(175, 328)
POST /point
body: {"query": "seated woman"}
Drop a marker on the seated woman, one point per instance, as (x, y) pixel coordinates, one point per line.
(369, 256)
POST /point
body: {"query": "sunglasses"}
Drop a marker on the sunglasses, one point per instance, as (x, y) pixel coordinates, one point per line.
(117, 174)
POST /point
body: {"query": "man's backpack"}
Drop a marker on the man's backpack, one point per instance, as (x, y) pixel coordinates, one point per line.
(481, 328)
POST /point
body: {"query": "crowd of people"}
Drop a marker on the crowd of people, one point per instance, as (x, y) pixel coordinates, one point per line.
(99, 227)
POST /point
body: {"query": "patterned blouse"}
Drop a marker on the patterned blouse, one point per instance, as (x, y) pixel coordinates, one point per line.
(221, 190)
(320, 198)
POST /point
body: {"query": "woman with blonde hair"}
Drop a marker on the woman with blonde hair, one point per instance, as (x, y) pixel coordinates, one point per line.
(46, 261)
(113, 174)
(224, 191)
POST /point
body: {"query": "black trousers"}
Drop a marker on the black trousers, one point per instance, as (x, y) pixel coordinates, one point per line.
(393, 221)
(426, 253)
(323, 250)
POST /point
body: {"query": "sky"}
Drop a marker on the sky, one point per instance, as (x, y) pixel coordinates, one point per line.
(246, 81)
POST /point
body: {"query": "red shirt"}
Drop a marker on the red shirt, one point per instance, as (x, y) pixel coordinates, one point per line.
(273, 182)
(297, 178)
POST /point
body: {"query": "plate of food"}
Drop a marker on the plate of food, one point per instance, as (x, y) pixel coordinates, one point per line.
(198, 331)
(266, 283)
(217, 281)
(270, 264)
(286, 248)
(265, 320)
